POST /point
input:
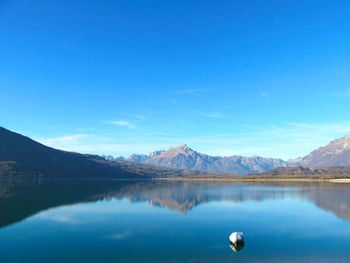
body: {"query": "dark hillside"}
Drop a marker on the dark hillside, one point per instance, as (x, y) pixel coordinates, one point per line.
(20, 156)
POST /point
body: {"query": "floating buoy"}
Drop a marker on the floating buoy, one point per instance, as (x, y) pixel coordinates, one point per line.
(236, 241)
(236, 237)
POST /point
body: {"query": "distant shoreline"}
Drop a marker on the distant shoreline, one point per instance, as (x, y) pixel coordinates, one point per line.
(239, 179)
(214, 179)
(340, 180)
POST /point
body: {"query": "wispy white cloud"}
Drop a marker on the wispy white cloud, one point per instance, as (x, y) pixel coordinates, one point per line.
(122, 123)
(342, 127)
(67, 143)
(195, 92)
(63, 139)
(264, 94)
(100, 144)
(140, 117)
(214, 115)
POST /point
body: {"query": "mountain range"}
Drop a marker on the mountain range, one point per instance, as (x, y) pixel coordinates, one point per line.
(20, 156)
(183, 157)
(336, 153)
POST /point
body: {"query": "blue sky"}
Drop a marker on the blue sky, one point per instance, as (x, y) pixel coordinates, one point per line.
(269, 78)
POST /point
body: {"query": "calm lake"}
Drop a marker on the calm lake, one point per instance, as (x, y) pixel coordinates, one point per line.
(145, 221)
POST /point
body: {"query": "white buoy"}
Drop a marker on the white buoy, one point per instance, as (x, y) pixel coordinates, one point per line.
(236, 237)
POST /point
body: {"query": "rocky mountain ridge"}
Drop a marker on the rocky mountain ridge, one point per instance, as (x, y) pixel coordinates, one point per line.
(336, 153)
(183, 157)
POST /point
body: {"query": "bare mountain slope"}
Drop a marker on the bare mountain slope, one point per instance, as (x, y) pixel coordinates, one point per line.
(336, 153)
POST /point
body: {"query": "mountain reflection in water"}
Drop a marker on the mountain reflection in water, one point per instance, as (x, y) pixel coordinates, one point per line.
(22, 199)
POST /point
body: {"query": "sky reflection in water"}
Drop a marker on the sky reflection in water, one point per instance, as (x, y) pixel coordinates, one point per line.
(172, 222)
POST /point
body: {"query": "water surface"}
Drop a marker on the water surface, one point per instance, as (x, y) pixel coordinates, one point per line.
(120, 221)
